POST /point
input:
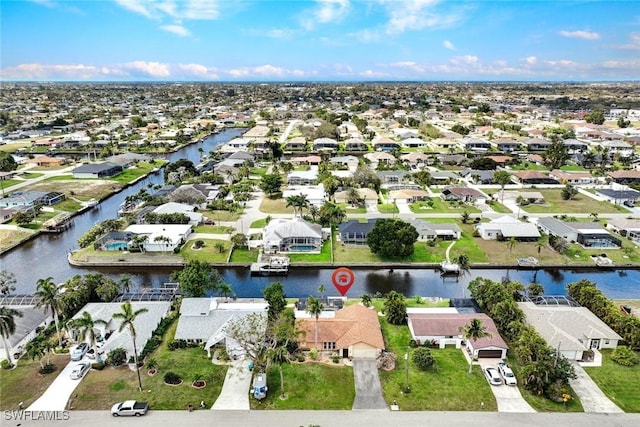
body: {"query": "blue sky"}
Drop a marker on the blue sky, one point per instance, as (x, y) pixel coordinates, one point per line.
(319, 40)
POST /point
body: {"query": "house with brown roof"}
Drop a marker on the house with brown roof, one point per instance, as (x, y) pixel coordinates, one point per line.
(47, 161)
(463, 194)
(573, 178)
(625, 176)
(354, 331)
(443, 327)
(533, 177)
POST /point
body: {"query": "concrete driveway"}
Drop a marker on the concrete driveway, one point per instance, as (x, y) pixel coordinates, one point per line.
(592, 398)
(508, 397)
(235, 390)
(55, 398)
(367, 382)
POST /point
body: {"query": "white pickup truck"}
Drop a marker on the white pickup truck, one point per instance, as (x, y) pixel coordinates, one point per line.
(129, 408)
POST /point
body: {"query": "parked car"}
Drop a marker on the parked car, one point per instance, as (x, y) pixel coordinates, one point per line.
(80, 370)
(91, 354)
(507, 374)
(129, 408)
(79, 352)
(492, 375)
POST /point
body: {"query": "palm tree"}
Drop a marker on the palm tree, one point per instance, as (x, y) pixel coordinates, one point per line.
(128, 317)
(47, 293)
(225, 290)
(8, 327)
(474, 330)
(125, 283)
(321, 290)
(279, 356)
(35, 350)
(86, 325)
(511, 244)
(314, 308)
(463, 263)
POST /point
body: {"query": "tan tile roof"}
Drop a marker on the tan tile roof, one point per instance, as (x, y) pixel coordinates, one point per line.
(351, 325)
(449, 324)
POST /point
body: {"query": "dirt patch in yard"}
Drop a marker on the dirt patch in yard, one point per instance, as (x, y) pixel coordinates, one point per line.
(96, 189)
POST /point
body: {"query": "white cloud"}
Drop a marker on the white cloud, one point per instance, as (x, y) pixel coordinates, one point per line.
(634, 42)
(265, 71)
(408, 65)
(199, 71)
(531, 60)
(46, 3)
(366, 35)
(143, 7)
(584, 35)
(414, 15)
(372, 74)
(50, 72)
(326, 11)
(151, 69)
(176, 29)
(447, 44)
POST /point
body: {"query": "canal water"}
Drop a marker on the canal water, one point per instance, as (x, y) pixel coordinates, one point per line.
(46, 256)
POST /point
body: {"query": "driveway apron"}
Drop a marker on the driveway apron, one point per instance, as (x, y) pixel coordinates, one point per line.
(508, 397)
(55, 398)
(367, 382)
(592, 398)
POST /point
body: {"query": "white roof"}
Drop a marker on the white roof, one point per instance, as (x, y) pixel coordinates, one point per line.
(172, 231)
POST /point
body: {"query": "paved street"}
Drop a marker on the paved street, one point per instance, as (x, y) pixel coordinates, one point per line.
(374, 418)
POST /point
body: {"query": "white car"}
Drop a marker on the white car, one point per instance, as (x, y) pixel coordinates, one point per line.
(507, 374)
(492, 375)
(80, 370)
(79, 352)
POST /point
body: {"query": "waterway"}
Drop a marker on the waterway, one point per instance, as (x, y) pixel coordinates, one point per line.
(46, 256)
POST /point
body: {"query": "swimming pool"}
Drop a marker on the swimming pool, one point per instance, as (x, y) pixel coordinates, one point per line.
(116, 246)
(302, 248)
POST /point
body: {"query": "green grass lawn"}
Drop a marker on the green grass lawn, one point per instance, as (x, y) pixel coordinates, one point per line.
(309, 386)
(259, 223)
(573, 168)
(620, 383)
(498, 207)
(447, 388)
(25, 384)
(100, 389)
(437, 205)
(323, 256)
(130, 174)
(31, 175)
(388, 208)
(212, 229)
(244, 255)
(209, 253)
(6, 183)
(529, 166)
(276, 206)
(580, 204)
(353, 210)
(218, 216)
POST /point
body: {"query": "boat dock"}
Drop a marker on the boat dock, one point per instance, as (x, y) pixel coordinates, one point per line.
(271, 266)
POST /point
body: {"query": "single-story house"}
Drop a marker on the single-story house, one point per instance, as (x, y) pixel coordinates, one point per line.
(478, 176)
(306, 160)
(573, 178)
(570, 330)
(31, 198)
(444, 177)
(325, 144)
(385, 144)
(631, 176)
(619, 196)
(416, 159)
(588, 234)
(408, 196)
(354, 331)
(355, 144)
(47, 161)
(378, 157)
(534, 177)
(302, 177)
(443, 326)
(369, 196)
(349, 161)
(315, 194)
(128, 159)
(463, 194)
(97, 170)
(354, 232)
(628, 228)
(195, 218)
(204, 321)
(296, 144)
(506, 145)
(295, 235)
(428, 231)
(476, 144)
(507, 227)
(392, 176)
(537, 144)
(161, 237)
(26, 326)
(193, 194)
(110, 335)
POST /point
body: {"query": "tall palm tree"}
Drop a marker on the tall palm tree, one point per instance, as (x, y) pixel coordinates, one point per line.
(321, 290)
(225, 290)
(474, 330)
(314, 308)
(86, 325)
(511, 243)
(48, 295)
(8, 327)
(128, 317)
(125, 283)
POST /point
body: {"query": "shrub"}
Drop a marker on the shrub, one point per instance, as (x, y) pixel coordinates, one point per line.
(172, 378)
(556, 392)
(97, 366)
(313, 354)
(300, 357)
(423, 359)
(413, 343)
(117, 357)
(198, 244)
(624, 356)
(335, 359)
(5, 364)
(175, 344)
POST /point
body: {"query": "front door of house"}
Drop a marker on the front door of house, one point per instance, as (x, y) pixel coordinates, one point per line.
(595, 344)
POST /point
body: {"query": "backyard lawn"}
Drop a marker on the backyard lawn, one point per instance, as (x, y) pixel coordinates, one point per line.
(620, 383)
(579, 204)
(208, 253)
(309, 386)
(244, 255)
(100, 389)
(275, 206)
(437, 205)
(130, 174)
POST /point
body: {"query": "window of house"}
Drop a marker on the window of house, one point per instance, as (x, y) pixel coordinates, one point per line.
(606, 341)
(328, 345)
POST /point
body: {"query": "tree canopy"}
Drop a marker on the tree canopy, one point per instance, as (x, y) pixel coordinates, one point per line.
(7, 162)
(196, 278)
(395, 308)
(271, 183)
(276, 298)
(392, 238)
